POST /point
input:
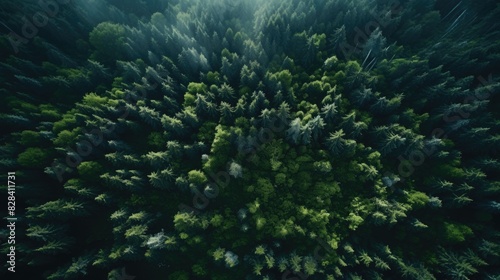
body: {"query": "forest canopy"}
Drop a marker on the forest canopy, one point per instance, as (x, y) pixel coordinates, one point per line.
(218, 139)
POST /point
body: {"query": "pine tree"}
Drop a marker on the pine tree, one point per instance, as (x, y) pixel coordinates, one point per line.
(162, 179)
(316, 125)
(150, 116)
(338, 146)
(329, 111)
(293, 133)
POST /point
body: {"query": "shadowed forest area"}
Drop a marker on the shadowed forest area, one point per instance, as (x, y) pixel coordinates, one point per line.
(250, 139)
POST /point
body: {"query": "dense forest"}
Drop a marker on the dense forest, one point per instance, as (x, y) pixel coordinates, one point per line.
(219, 139)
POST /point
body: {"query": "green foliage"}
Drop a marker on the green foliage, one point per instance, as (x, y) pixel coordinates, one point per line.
(456, 233)
(220, 148)
(418, 199)
(66, 138)
(94, 100)
(197, 177)
(460, 266)
(195, 88)
(156, 140)
(90, 170)
(189, 99)
(33, 158)
(284, 77)
(29, 138)
(67, 121)
(137, 231)
(107, 38)
(354, 221)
